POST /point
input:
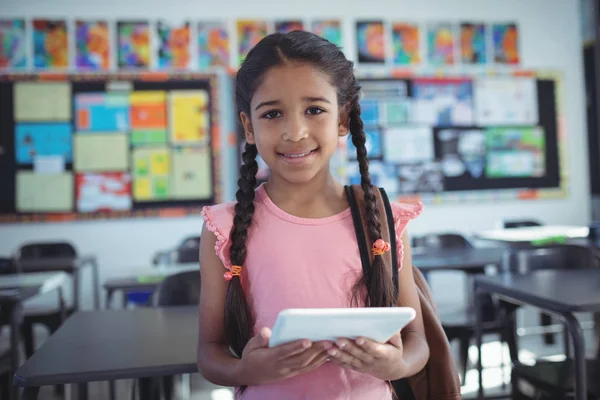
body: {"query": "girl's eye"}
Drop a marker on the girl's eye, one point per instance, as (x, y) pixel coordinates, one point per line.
(271, 114)
(314, 111)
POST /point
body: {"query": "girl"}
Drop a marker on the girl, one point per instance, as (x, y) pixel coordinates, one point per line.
(291, 243)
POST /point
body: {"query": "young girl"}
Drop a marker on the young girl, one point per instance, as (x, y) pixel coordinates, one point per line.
(291, 242)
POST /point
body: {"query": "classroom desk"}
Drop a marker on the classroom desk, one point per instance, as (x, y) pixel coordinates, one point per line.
(526, 235)
(114, 344)
(558, 292)
(467, 260)
(145, 279)
(14, 290)
(71, 266)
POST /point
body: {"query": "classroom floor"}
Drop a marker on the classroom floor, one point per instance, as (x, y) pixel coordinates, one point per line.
(494, 375)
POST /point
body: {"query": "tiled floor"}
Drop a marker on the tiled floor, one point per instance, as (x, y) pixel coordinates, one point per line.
(493, 377)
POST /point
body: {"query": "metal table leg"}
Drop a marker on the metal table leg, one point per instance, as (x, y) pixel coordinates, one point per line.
(574, 328)
(96, 283)
(30, 393)
(478, 336)
(14, 312)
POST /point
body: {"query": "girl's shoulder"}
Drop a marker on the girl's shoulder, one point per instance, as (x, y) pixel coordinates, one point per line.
(403, 213)
(218, 219)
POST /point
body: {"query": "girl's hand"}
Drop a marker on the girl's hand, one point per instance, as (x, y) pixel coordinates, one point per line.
(261, 364)
(383, 361)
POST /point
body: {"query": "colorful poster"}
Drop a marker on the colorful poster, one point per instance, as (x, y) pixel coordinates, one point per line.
(32, 140)
(42, 102)
(443, 102)
(373, 145)
(189, 117)
(44, 192)
(249, 34)
(473, 49)
(133, 40)
(173, 45)
(369, 112)
(462, 152)
(288, 26)
(506, 43)
(382, 175)
(440, 44)
(406, 43)
(103, 192)
(101, 152)
(102, 112)
(192, 174)
(13, 54)
(148, 117)
(330, 29)
(370, 42)
(396, 112)
(50, 44)
(213, 45)
(515, 153)
(423, 177)
(506, 101)
(92, 45)
(151, 173)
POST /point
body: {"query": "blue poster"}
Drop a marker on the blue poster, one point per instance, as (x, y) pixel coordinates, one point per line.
(43, 140)
(373, 145)
(102, 112)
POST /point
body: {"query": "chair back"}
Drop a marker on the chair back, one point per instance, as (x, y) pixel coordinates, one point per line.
(180, 289)
(442, 241)
(558, 256)
(520, 223)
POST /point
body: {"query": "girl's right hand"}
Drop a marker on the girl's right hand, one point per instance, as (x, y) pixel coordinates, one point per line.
(260, 364)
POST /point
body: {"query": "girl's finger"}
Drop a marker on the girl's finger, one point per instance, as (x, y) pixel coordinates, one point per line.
(376, 350)
(345, 358)
(355, 351)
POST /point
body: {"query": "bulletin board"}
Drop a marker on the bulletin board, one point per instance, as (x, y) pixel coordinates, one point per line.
(438, 138)
(99, 146)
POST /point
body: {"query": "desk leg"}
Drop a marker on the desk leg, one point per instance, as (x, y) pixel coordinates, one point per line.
(15, 322)
(109, 294)
(76, 286)
(576, 333)
(82, 391)
(30, 393)
(112, 390)
(96, 283)
(478, 336)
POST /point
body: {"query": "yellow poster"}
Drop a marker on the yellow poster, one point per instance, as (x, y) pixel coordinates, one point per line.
(189, 117)
(192, 174)
(44, 192)
(46, 102)
(151, 173)
(101, 152)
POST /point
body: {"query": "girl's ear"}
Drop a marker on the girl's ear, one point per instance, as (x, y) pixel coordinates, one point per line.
(344, 121)
(248, 130)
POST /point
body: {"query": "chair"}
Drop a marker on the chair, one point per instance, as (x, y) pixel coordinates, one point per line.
(188, 251)
(460, 323)
(180, 289)
(550, 377)
(522, 223)
(50, 316)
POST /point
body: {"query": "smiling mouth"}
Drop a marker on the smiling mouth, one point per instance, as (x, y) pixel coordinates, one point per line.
(298, 155)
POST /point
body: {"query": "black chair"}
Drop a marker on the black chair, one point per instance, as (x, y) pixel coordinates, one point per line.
(521, 223)
(5, 381)
(550, 377)
(180, 289)
(50, 316)
(188, 251)
(459, 324)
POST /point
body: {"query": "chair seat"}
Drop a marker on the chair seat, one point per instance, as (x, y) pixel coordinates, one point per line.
(558, 376)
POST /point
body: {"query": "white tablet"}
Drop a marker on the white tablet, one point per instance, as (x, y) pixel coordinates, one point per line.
(315, 324)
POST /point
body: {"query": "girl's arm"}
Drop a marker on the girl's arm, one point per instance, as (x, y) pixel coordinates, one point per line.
(415, 347)
(215, 361)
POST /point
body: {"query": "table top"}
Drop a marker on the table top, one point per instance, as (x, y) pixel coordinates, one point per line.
(563, 290)
(67, 264)
(468, 259)
(116, 344)
(534, 233)
(148, 277)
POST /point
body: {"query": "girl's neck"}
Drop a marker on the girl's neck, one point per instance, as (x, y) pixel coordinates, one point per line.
(319, 198)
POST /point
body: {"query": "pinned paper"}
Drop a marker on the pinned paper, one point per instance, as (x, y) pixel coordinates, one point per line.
(49, 164)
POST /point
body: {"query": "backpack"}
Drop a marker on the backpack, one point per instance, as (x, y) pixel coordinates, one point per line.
(439, 379)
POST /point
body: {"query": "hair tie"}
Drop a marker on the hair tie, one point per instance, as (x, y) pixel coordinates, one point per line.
(380, 247)
(236, 270)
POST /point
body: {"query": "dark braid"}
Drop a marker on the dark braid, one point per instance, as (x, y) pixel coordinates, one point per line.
(378, 278)
(239, 320)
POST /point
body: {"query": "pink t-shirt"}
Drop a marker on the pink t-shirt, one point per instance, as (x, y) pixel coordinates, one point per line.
(297, 262)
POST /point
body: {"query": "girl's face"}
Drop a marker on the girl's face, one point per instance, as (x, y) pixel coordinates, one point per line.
(295, 122)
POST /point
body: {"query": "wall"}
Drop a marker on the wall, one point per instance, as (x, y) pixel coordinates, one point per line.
(550, 39)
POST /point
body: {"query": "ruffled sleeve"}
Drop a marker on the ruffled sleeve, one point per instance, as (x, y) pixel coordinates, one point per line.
(219, 220)
(403, 213)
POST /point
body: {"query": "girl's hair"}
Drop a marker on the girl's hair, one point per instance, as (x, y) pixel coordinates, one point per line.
(274, 50)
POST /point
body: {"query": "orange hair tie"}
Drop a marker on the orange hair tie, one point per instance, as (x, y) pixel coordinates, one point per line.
(236, 270)
(380, 247)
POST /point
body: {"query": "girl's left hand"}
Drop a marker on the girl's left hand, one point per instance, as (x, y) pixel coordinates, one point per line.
(383, 361)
